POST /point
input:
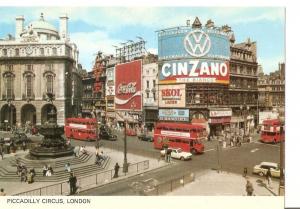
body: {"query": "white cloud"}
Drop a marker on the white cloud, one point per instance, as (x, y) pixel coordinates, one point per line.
(90, 43)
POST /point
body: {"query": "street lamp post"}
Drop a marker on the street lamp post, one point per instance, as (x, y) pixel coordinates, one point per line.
(244, 113)
(125, 164)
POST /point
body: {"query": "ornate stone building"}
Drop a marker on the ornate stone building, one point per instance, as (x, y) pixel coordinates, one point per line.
(272, 89)
(243, 90)
(38, 62)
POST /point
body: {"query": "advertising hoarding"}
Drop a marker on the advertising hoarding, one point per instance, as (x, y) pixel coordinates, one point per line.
(128, 86)
(193, 56)
(110, 82)
(174, 114)
(171, 95)
(181, 42)
(194, 71)
(220, 113)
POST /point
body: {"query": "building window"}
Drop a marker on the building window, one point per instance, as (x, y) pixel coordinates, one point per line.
(49, 67)
(49, 83)
(54, 51)
(29, 67)
(147, 84)
(42, 52)
(4, 52)
(9, 67)
(29, 86)
(154, 96)
(9, 83)
(17, 52)
(154, 83)
(147, 94)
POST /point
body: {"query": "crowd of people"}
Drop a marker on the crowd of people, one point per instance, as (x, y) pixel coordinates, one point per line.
(24, 174)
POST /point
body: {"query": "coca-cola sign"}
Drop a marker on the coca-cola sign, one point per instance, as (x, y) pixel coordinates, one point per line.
(128, 86)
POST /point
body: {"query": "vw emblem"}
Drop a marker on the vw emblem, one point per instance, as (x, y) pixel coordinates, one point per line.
(197, 43)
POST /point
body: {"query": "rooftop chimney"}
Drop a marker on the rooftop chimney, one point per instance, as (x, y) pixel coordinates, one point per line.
(63, 27)
(19, 26)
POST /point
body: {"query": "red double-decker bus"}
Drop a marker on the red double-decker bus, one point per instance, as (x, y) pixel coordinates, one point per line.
(188, 137)
(270, 131)
(81, 128)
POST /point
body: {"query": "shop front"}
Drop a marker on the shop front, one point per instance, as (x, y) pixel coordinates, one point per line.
(219, 121)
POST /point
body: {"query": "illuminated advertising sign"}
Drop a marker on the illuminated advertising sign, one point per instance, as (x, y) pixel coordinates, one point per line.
(174, 114)
(172, 95)
(220, 113)
(194, 71)
(193, 56)
(206, 43)
(110, 81)
(128, 86)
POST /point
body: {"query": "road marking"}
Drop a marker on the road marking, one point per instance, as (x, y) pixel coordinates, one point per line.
(254, 150)
(209, 150)
(273, 145)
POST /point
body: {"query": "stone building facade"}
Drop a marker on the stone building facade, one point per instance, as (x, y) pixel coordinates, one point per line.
(272, 89)
(38, 73)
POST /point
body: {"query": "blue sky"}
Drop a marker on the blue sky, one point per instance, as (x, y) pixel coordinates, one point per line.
(94, 29)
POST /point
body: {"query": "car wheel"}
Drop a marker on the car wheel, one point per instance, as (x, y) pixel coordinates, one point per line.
(261, 174)
(182, 158)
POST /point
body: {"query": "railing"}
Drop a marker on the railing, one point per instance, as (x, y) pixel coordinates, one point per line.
(169, 186)
(88, 181)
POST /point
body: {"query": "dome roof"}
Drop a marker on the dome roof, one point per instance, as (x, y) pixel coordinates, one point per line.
(41, 24)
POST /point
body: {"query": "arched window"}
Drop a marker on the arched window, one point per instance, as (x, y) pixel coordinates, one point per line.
(49, 83)
(29, 85)
(9, 83)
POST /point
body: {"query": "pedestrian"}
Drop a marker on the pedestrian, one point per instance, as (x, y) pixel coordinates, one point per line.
(45, 169)
(249, 188)
(68, 167)
(116, 175)
(169, 151)
(1, 152)
(2, 193)
(268, 177)
(83, 150)
(24, 145)
(72, 181)
(23, 175)
(245, 172)
(231, 141)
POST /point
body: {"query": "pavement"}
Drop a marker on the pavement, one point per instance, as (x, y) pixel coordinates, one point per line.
(214, 183)
(11, 188)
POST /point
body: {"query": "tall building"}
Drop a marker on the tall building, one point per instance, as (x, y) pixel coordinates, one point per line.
(38, 73)
(272, 89)
(205, 77)
(150, 90)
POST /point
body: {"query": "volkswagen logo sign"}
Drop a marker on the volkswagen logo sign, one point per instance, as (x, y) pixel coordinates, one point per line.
(197, 43)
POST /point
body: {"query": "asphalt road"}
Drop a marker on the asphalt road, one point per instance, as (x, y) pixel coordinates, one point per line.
(230, 159)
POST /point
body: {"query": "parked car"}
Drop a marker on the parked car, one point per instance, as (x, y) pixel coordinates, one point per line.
(178, 154)
(144, 137)
(106, 133)
(263, 167)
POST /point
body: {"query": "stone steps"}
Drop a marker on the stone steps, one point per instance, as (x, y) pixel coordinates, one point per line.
(56, 164)
(59, 175)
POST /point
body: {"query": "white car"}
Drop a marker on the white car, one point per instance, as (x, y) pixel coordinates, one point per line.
(263, 167)
(178, 154)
